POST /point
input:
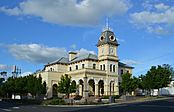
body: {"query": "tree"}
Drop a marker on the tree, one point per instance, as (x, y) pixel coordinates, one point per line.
(3, 73)
(1, 80)
(134, 83)
(129, 83)
(44, 88)
(157, 77)
(65, 85)
(34, 85)
(24, 85)
(1, 87)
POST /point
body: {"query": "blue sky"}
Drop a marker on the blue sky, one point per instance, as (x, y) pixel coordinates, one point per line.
(34, 32)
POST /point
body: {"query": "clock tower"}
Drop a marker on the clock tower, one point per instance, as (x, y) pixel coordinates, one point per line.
(107, 52)
(107, 46)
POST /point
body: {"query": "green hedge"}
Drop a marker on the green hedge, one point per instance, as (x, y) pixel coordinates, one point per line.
(53, 102)
(107, 97)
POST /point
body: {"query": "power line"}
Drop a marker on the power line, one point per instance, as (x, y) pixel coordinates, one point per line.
(153, 59)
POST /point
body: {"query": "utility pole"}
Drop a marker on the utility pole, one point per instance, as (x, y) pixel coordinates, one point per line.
(16, 71)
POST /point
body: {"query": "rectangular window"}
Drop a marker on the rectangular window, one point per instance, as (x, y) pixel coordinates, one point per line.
(76, 67)
(104, 67)
(94, 66)
(100, 67)
(110, 67)
(121, 71)
(70, 69)
(113, 68)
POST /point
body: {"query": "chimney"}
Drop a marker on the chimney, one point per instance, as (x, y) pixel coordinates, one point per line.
(72, 55)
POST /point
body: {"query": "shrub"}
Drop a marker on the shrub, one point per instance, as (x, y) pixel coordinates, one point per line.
(53, 102)
(116, 96)
(105, 97)
(77, 97)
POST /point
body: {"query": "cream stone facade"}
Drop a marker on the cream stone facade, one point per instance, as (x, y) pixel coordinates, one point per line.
(94, 75)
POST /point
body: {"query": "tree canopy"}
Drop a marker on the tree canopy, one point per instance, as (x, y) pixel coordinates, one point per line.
(129, 83)
(23, 85)
(155, 78)
(65, 85)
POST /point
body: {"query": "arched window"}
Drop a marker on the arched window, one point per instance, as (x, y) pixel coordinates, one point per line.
(94, 66)
(76, 67)
(103, 66)
(100, 67)
(113, 68)
(83, 66)
(51, 69)
(70, 68)
(110, 67)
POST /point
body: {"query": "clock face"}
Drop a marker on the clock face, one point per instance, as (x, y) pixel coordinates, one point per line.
(102, 50)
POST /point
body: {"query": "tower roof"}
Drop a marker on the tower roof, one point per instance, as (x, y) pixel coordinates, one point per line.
(107, 37)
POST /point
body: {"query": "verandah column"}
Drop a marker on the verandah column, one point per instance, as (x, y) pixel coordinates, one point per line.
(80, 90)
(96, 90)
(86, 91)
(106, 89)
(116, 89)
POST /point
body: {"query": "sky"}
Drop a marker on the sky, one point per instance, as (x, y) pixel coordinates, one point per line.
(35, 32)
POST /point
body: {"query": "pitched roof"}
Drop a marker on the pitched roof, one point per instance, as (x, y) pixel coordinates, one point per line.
(64, 60)
(84, 57)
(89, 56)
(60, 60)
(124, 65)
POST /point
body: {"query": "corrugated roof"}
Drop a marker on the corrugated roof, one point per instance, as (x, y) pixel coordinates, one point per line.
(84, 57)
(60, 60)
(76, 59)
(124, 65)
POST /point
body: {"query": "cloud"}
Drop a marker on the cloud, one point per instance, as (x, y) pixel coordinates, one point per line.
(69, 12)
(5, 67)
(159, 20)
(161, 6)
(120, 40)
(26, 74)
(83, 51)
(146, 17)
(36, 53)
(130, 62)
(73, 46)
(158, 30)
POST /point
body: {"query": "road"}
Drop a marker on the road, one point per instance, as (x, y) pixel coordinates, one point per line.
(166, 105)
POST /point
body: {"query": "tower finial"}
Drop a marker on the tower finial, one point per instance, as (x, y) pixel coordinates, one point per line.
(107, 27)
(107, 23)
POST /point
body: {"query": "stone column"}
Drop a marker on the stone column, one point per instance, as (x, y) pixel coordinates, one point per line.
(106, 89)
(49, 93)
(80, 90)
(86, 91)
(116, 89)
(96, 90)
(111, 88)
